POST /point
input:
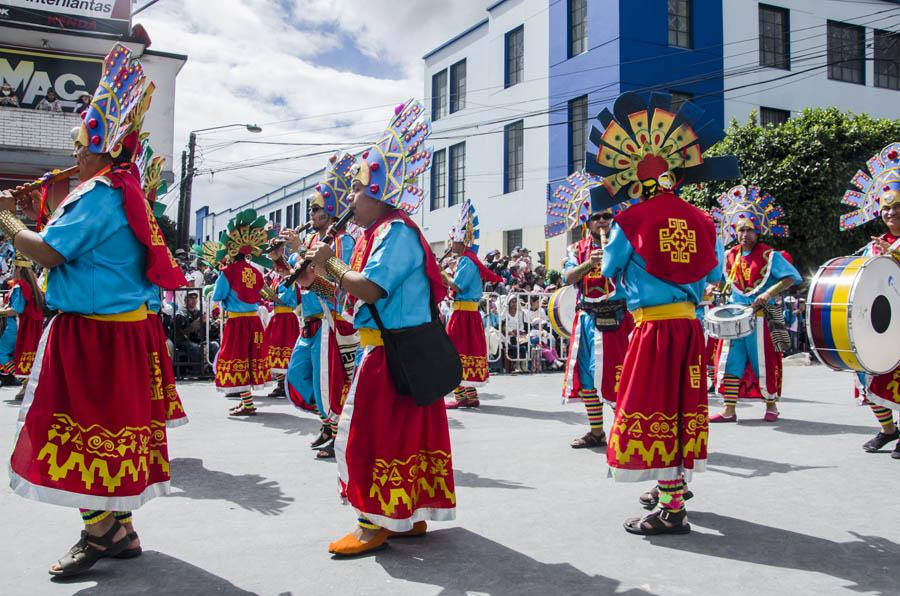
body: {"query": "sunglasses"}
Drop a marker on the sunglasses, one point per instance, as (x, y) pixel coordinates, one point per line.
(315, 208)
(601, 216)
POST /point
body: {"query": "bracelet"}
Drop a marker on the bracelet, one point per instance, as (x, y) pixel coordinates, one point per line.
(11, 225)
(336, 268)
(322, 287)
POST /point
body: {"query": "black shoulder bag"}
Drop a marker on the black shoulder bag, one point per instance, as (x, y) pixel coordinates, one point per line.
(423, 362)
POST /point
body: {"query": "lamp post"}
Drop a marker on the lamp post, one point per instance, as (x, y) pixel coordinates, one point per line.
(187, 178)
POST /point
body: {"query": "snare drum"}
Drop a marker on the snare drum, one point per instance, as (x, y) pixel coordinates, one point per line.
(729, 321)
(561, 310)
(853, 314)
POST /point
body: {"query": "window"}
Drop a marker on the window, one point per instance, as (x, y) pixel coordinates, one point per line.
(457, 174)
(511, 239)
(577, 27)
(887, 59)
(846, 49)
(439, 180)
(578, 118)
(678, 98)
(299, 216)
(439, 95)
(458, 86)
(774, 37)
(773, 116)
(515, 57)
(680, 24)
(513, 156)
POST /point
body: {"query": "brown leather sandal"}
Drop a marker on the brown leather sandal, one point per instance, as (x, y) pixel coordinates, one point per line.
(130, 553)
(655, 523)
(589, 440)
(85, 554)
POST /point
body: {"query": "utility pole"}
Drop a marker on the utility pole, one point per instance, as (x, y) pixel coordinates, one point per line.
(187, 185)
(179, 216)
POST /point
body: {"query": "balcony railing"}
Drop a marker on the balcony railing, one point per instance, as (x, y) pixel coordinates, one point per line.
(35, 130)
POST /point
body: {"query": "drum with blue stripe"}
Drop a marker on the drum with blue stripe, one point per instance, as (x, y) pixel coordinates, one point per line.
(853, 314)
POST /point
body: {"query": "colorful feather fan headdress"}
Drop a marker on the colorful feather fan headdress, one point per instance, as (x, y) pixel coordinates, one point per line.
(748, 205)
(878, 187)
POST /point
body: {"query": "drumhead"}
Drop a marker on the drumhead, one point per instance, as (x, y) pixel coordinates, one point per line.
(875, 315)
(561, 310)
(729, 312)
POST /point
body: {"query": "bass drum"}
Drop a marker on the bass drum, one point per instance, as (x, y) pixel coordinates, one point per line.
(853, 314)
(561, 310)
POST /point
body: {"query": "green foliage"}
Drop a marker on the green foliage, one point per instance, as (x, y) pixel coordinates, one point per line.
(168, 230)
(806, 164)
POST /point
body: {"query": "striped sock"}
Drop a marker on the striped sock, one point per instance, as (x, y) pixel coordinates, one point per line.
(471, 394)
(247, 400)
(93, 516)
(123, 517)
(730, 386)
(671, 495)
(333, 424)
(460, 394)
(885, 417)
(594, 408)
(365, 524)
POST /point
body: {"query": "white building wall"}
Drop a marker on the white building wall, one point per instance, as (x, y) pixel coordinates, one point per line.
(808, 45)
(487, 100)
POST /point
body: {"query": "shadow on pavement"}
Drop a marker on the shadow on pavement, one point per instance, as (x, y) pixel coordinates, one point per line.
(566, 416)
(866, 562)
(755, 467)
(489, 396)
(289, 423)
(473, 480)
(808, 427)
(250, 491)
(152, 573)
(462, 562)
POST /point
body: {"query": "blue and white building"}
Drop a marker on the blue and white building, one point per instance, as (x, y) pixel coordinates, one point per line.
(511, 96)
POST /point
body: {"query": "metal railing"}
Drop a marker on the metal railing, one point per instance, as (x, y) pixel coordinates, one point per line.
(190, 337)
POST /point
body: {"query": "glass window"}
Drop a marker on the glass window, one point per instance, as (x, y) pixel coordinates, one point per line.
(299, 215)
(577, 27)
(680, 33)
(678, 98)
(578, 117)
(458, 86)
(515, 56)
(513, 156)
(439, 95)
(773, 116)
(846, 53)
(774, 37)
(439, 180)
(887, 59)
(457, 174)
(511, 239)
(289, 216)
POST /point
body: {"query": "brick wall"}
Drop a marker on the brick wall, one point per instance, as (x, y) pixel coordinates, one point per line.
(37, 131)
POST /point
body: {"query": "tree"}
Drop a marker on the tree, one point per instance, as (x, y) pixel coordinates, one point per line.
(168, 230)
(806, 164)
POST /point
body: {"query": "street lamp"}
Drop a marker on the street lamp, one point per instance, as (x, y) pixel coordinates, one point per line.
(187, 178)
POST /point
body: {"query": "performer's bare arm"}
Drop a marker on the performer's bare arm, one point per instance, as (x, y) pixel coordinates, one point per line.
(780, 286)
(575, 274)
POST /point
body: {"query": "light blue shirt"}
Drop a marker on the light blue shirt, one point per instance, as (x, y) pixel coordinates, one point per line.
(17, 300)
(287, 296)
(468, 280)
(780, 268)
(230, 302)
(642, 289)
(397, 265)
(104, 268)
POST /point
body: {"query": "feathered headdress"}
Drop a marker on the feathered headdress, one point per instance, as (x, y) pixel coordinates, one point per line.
(878, 187)
(645, 148)
(570, 205)
(117, 106)
(390, 169)
(466, 230)
(748, 205)
(333, 193)
(247, 235)
(150, 167)
(210, 252)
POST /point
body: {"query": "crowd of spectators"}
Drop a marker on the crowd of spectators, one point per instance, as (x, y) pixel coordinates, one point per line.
(49, 103)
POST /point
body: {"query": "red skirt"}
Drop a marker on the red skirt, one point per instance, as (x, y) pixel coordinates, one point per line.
(661, 427)
(175, 414)
(281, 335)
(884, 390)
(393, 456)
(92, 427)
(466, 331)
(242, 363)
(27, 338)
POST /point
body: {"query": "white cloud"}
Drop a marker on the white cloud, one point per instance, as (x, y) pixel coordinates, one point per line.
(260, 61)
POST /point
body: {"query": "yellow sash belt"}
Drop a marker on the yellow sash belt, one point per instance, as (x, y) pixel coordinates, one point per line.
(138, 314)
(465, 305)
(370, 337)
(234, 315)
(665, 312)
(283, 309)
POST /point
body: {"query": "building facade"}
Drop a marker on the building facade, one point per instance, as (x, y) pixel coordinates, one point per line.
(62, 48)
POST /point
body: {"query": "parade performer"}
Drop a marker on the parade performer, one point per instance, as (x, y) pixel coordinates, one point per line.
(465, 327)
(321, 365)
(242, 363)
(27, 300)
(595, 357)
(663, 252)
(94, 400)
(756, 274)
(394, 456)
(10, 329)
(879, 194)
(284, 326)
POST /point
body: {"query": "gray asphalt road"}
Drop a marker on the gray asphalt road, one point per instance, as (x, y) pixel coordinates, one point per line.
(794, 507)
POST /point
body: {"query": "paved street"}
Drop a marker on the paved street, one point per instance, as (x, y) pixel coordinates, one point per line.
(794, 507)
